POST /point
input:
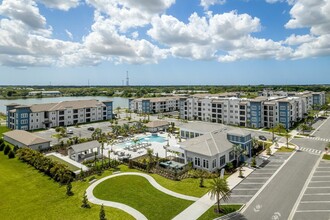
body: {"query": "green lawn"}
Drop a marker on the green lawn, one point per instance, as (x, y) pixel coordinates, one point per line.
(138, 193)
(3, 129)
(210, 214)
(285, 149)
(28, 194)
(326, 157)
(69, 165)
(189, 186)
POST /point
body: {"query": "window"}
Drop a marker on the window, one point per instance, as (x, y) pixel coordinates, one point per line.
(24, 115)
(214, 163)
(222, 160)
(283, 108)
(205, 163)
(197, 161)
(231, 155)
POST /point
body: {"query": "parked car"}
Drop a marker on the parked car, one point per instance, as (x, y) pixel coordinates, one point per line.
(261, 137)
(90, 128)
(69, 132)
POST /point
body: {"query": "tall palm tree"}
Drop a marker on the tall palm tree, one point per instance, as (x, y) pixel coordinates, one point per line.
(239, 151)
(287, 136)
(150, 159)
(219, 189)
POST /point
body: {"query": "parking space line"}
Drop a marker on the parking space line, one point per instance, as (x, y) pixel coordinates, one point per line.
(317, 194)
(240, 196)
(321, 176)
(262, 173)
(322, 210)
(306, 202)
(252, 183)
(318, 187)
(327, 171)
(320, 181)
(246, 189)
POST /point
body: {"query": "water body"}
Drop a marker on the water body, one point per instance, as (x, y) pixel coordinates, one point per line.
(117, 101)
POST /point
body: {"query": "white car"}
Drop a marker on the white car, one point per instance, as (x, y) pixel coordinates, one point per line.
(69, 132)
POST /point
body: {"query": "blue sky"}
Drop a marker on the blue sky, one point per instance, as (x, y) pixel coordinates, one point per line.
(164, 42)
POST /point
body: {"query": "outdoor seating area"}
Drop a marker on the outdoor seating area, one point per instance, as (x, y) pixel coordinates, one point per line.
(138, 146)
(171, 164)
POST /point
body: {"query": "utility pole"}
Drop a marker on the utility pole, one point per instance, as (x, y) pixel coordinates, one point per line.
(127, 79)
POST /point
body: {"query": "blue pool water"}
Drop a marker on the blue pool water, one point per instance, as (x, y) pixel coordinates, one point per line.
(150, 138)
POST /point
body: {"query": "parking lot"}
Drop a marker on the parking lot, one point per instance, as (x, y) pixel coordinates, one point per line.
(315, 203)
(242, 193)
(81, 131)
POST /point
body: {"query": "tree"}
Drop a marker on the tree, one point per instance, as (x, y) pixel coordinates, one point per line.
(6, 150)
(69, 189)
(255, 143)
(268, 151)
(2, 146)
(219, 189)
(150, 159)
(201, 174)
(239, 151)
(102, 213)
(287, 136)
(280, 128)
(85, 204)
(253, 162)
(11, 154)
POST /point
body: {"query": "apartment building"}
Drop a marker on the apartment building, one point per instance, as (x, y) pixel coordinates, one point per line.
(262, 111)
(43, 116)
(155, 105)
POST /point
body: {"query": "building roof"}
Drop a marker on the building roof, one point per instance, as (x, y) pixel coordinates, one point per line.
(239, 132)
(201, 127)
(156, 124)
(159, 99)
(25, 137)
(209, 144)
(77, 104)
(85, 146)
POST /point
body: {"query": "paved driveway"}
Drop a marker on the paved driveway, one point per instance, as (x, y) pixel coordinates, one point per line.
(315, 203)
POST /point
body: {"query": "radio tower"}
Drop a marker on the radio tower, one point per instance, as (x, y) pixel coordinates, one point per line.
(127, 79)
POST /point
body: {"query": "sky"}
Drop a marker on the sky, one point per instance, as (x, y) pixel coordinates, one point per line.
(164, 42)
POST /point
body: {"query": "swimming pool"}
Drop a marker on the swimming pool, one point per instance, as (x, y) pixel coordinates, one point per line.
(149, 139)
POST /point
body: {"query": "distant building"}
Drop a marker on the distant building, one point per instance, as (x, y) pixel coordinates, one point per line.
(26, 139)
(43, 116)
(45, 93)
(155, 105)
(263, 111)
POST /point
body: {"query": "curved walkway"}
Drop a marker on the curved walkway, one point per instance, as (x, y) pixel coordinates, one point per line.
(135, 213)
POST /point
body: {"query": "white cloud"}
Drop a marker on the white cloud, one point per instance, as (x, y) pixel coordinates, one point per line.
(207, 3)
(298, 39)
(108, 43)
(204, 38)
(69, 34)
(128, 14)
(25, 11)
(64, 5)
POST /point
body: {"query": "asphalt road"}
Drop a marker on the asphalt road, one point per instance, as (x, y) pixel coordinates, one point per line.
(310, 143)
(324, 130)
(279, 196)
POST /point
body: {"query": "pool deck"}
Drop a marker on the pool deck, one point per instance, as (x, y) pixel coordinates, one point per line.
(156, 146)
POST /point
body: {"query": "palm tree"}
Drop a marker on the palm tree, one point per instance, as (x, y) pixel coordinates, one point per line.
(272, 129)
(287, 136)
(255, 143)
(280, 128)
(150, 159)
(219, 189)
(239, 151)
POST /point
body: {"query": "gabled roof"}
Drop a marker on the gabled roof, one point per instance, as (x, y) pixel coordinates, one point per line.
(77, 104)
(25, 137)
(155, 124)
(209, 144)
(85, 146)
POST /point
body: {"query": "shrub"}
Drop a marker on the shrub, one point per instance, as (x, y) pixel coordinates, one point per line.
(85, 204)
(6, 150)
(229, 167)
(92, 178)
(11, 154)
(268, 151)
(1, 141)
(2, 146)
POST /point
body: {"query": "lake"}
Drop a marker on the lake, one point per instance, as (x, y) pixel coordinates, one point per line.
(117, 101)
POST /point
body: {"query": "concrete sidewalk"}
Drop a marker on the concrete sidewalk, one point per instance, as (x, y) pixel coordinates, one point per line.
(204, 203)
